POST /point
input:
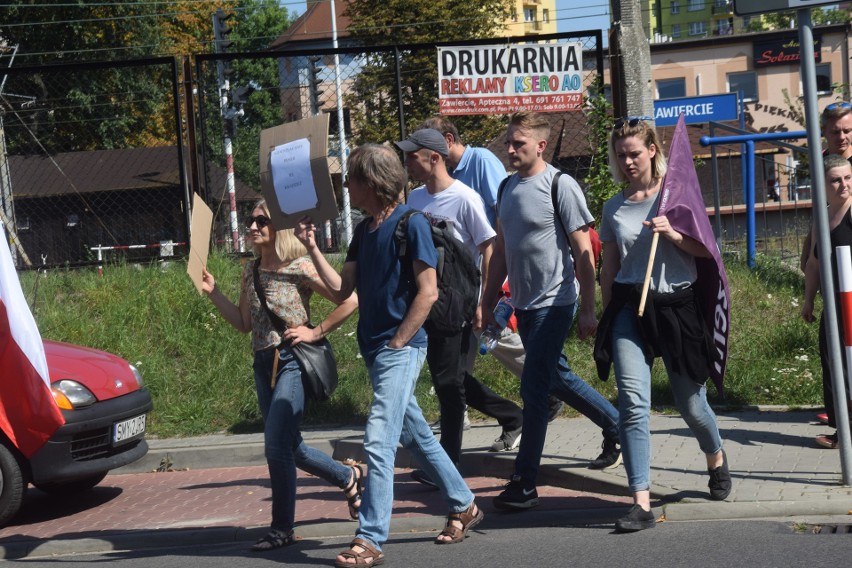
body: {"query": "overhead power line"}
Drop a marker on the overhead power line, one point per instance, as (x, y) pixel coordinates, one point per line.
(205, 44)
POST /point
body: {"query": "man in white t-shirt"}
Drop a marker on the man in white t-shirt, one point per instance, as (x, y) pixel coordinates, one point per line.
(443, 198)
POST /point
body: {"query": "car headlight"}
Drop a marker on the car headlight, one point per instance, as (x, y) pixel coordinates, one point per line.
(70, 394)
(136, 374)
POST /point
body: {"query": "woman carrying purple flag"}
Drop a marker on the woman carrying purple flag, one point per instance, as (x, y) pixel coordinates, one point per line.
(672, 324)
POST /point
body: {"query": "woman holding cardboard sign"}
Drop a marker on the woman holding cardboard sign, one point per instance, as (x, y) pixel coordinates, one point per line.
(287, 278)
(630, 230)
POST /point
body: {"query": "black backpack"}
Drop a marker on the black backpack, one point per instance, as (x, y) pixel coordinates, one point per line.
(458, 279)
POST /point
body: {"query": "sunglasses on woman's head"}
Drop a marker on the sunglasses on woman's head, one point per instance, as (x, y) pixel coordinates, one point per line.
(833, 106)
(261, 221)
(631, 121)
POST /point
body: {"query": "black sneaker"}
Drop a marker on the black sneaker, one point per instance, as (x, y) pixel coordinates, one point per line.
(720, 480)
(638, 519)
(610, 456)
(555, 407)
(519, 494)
(422, 477)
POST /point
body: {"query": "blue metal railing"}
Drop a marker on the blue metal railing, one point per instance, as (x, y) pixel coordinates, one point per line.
(748, 181)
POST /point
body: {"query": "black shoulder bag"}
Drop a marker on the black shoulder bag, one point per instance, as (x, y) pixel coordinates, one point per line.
(319, 368)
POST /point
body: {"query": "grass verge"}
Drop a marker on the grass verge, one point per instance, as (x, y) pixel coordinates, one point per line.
(198, 368)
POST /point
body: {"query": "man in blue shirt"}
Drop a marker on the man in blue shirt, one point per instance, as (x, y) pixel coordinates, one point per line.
(395, 295)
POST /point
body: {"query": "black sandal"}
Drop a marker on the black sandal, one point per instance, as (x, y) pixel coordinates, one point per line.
(357, 483)
(274, 539)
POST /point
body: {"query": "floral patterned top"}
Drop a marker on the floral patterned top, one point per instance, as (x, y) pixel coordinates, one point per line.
(288, 294)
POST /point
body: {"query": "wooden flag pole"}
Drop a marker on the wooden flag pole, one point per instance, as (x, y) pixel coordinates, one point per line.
(647, 283)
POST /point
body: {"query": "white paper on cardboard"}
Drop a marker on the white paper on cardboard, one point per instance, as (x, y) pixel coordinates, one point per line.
(291, 176)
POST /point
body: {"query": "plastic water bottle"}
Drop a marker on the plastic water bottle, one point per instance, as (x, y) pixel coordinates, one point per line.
(489, 338)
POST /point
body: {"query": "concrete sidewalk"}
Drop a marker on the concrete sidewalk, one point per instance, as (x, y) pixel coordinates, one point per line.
(217, 490)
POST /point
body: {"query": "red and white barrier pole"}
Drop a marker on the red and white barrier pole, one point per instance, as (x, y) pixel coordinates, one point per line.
(161, 245)
(843, 257)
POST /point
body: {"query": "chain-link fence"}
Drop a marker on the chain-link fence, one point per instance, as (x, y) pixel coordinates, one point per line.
(100, 160)
(90, 162)
(375, 94)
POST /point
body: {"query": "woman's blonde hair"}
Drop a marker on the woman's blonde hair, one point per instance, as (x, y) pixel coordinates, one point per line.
(287, 246)
(644, 132)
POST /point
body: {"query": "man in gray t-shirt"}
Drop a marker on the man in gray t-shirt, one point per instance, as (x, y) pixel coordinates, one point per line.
(534, 245)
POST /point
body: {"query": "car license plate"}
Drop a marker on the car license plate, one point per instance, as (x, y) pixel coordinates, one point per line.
(128, 430)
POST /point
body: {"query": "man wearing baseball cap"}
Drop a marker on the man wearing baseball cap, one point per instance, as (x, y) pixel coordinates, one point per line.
(427, 138)
(443, 198)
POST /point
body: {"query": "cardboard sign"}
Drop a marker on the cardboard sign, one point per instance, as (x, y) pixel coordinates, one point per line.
(199, 241)
(294, 175)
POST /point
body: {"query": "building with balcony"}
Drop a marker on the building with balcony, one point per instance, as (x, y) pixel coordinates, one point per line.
(531, 17)
(693, 19)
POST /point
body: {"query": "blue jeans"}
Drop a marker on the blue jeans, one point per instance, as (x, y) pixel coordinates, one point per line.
(633, 374)
(282, 410)
(396, 418)
(546, 371)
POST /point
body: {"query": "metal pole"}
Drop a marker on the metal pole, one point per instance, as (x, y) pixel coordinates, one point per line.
(823, 241)
(399, 93)
(184, 179)
(717, 204)
(232, 194)
(228, 123)
(749, 191)
(341, 133)
(744, 167)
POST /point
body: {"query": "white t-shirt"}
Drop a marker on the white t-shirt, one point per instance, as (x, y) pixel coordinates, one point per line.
(463, 210)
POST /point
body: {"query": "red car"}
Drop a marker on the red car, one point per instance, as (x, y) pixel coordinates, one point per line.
(105, 407)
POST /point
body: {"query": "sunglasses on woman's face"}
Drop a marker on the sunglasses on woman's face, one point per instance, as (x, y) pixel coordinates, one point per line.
(261, 221)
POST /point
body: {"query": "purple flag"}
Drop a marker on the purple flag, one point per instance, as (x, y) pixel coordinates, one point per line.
(682, 203)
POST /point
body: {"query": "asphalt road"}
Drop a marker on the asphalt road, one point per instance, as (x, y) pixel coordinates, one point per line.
(753, 544)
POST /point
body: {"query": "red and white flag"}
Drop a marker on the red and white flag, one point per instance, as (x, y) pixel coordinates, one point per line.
(28, 414)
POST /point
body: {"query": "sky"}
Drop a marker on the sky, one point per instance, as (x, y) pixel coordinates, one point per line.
(569, 17)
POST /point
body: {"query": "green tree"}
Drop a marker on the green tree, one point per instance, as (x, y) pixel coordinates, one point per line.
(90, 108)
(598, 181)
(786, 20)
(373, 99)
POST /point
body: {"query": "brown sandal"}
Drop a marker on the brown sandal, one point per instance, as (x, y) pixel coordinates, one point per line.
(369, 556)
(357, 483)
(468, 519)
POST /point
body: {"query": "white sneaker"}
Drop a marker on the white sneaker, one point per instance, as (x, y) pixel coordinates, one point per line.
(436, 425)
(508, 440)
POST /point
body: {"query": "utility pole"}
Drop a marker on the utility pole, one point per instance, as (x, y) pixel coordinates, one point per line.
(632, 90)
(7, 209)
(222, 43)
(341, 131)
(315, 103)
